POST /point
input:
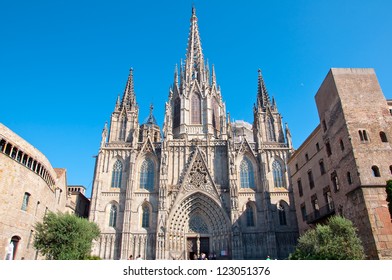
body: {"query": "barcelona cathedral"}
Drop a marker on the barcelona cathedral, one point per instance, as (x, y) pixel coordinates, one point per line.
(199, 184)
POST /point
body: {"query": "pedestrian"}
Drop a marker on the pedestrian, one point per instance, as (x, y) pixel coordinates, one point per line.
(139, 257)
(130, 257)
(268, 258)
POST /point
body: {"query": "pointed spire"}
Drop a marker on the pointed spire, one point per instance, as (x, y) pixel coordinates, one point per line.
(176, 75)
(128, 99)
(118, 102)
(213, 76)
(263, 99)
(151, 119)
(195, 68)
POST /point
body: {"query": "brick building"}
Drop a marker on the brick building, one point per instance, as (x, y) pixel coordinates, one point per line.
(343, 166)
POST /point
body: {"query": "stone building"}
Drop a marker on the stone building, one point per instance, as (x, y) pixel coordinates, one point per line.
(29, 187)
(343, 166)
(77, 202)
(202, 183)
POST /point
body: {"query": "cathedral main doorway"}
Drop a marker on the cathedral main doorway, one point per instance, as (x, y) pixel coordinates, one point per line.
(196, 246)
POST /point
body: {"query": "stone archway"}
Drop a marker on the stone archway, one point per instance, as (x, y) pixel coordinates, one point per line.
(198, 224)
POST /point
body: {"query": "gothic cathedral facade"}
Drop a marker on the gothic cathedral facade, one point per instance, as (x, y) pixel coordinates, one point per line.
(202, 184)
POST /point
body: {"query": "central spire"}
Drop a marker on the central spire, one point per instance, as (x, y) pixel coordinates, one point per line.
(195, 68)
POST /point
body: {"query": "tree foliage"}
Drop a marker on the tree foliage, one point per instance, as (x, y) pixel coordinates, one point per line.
(65, 237)
(389, 196)
(336, 240)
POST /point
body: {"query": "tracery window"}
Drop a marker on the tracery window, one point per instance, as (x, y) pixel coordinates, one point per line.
(177, 112)
(123, 128)
(113, 216)
(271, 129)
(250, 221)
(117, 174)
(195, 109)
(246, 174)
(197, 224)
(282, 214)
(277, 174)
(147, 175)
(146, 217)
(215, 114)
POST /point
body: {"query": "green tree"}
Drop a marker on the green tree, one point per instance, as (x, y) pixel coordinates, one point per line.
(389, 196)
(336, 240)
(65, 237)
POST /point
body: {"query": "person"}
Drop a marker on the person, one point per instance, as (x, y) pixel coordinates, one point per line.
(268, 258)
(139, 257)
(130, 257)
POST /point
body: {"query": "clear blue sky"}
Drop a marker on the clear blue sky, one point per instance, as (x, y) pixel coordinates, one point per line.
(63, 63)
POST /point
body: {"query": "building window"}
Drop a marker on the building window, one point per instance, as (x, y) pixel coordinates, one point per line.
(376, 171)
(363, 135)
(146, 217)
(123, 128)
(315, 206)
(307, 157)
(335, 181)
(296, 167)
(390, 169)
(12, 248)
(322, 167)
(324, 125)
(328, 147)
(328, 198)
(317, 147)
(300, 191)
(271, 129)
(113, 216)
(196, 109)
(215, 115)
(147, 175)
(25, 202)
(311, 181)
(303, 211)
(250, 221)
(349, 178)
(117, 174)
(246, 174)
(383, 137)
(177, 112)
(282, 214)
(341, 144)
(277, 174)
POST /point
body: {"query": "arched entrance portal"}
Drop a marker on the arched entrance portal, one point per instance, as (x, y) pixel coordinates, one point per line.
(198, 225)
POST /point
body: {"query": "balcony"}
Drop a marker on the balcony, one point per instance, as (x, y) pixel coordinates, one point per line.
(320, 214)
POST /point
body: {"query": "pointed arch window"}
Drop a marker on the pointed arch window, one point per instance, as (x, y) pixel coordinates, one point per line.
(123, 128)
(215, 114)
(113, 216)
(250, 219)
(376, 171)
(247, 174)
(147, 175)
(145, 217)
(277, 174)
(282, 214)
(117, 174)
(383, 137)
(271, 129)
(195, 109)
(177, 112)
